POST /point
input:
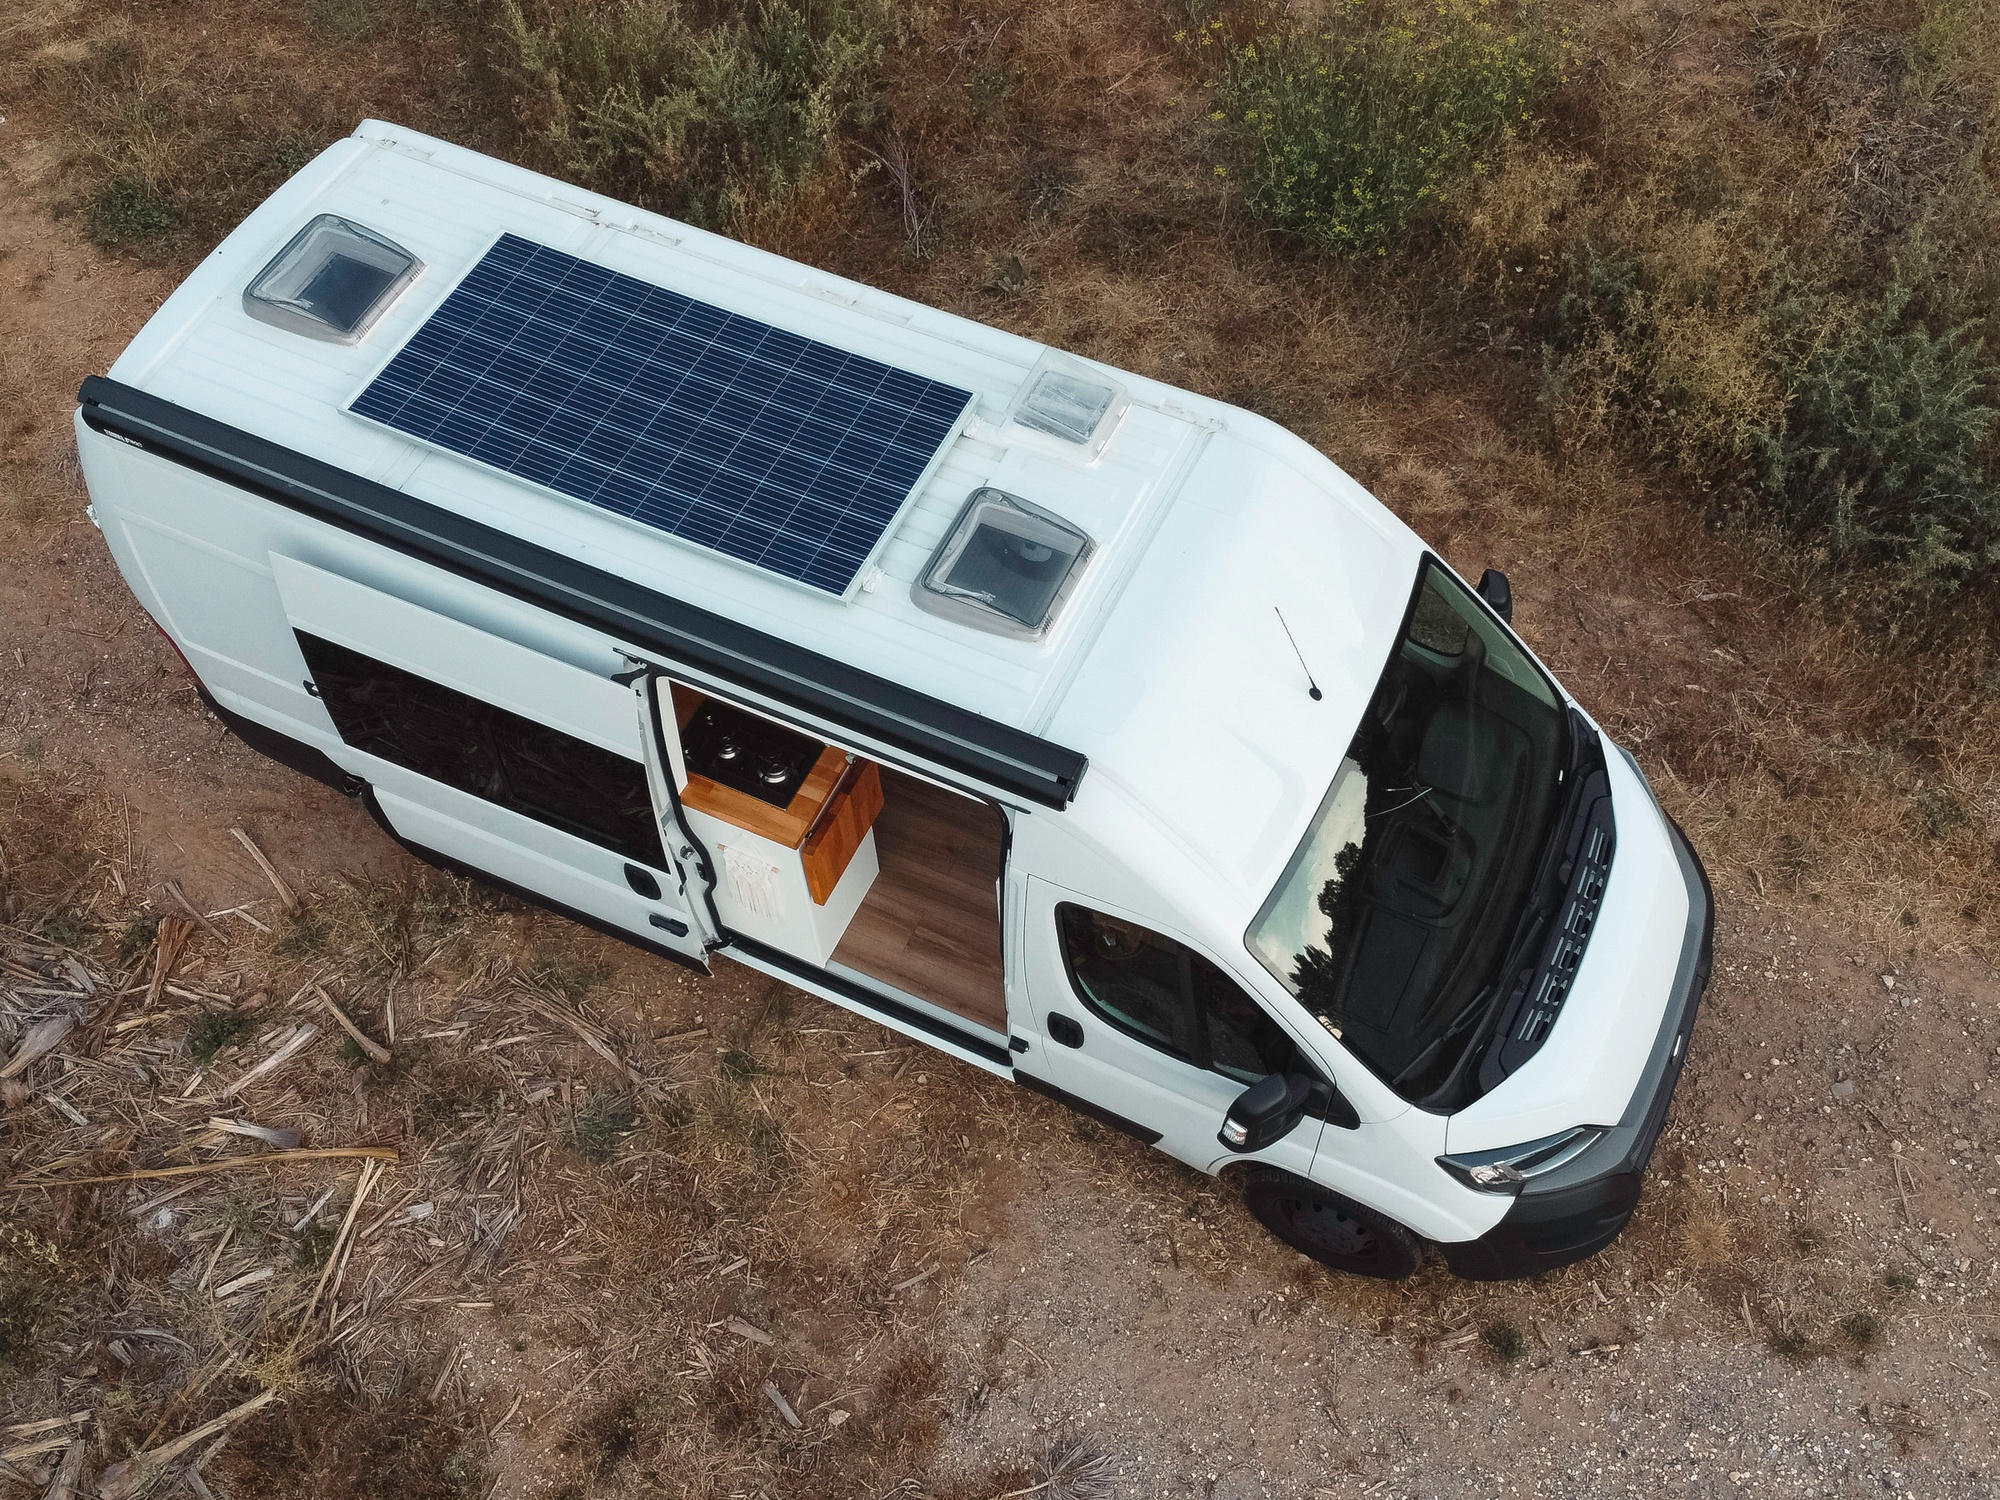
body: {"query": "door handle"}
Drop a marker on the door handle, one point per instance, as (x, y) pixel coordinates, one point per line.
(643, 882)
(668, 924)
(1063, 1029)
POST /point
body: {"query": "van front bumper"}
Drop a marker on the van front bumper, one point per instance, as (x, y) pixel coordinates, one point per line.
(1576, 1212)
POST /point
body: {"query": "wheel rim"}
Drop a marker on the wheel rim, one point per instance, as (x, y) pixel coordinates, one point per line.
(1329, 1230)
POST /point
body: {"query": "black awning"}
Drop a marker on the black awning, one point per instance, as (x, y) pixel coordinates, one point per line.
(887, 713)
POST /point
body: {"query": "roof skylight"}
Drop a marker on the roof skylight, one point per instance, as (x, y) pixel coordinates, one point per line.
(1006, 566)
(332, 282)
(1064, 406)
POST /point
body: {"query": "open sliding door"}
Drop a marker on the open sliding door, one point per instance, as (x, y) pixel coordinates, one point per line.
(498, 757)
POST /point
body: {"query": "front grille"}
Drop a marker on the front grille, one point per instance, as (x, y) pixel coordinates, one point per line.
(1552, 986)
(1540, 986)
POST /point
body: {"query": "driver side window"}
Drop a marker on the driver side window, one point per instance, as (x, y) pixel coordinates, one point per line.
(1170, 997)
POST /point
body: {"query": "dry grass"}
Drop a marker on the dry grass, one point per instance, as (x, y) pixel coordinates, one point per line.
(174, 127)
(596, 1185)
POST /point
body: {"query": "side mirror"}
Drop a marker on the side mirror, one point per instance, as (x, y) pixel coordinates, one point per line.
(1270, 1109)
(1498, 593)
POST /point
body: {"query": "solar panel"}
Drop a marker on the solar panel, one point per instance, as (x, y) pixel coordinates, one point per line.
(719, 429)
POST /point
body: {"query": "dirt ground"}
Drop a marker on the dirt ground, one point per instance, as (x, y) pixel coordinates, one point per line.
(1804, 1307)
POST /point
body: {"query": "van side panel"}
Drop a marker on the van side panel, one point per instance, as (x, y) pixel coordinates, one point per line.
(200, 555)
(196, 552)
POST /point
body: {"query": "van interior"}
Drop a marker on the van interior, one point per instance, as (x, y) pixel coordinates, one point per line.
(903, 875)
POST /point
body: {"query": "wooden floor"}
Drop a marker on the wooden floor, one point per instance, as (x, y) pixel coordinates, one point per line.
(930, 924)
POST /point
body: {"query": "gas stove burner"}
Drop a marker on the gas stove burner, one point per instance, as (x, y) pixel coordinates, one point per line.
(748, 754)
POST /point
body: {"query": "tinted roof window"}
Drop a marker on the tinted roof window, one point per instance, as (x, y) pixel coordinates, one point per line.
(333, 281)
(1006, 566)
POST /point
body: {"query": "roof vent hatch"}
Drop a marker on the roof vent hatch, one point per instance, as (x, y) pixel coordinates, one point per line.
(333, 281)
(1067, 399)
(1006, 566)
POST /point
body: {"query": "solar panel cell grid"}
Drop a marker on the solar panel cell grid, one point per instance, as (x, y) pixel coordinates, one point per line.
(716, 428)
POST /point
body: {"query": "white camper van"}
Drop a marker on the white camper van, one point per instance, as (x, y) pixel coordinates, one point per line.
(1103, 736)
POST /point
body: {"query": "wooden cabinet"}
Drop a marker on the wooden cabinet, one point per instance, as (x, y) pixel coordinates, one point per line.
(789, 875)
(848, 817)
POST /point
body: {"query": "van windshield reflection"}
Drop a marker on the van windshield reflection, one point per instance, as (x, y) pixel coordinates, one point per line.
(1396, 908)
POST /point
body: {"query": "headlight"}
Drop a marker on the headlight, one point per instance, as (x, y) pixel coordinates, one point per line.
(1510, 1168)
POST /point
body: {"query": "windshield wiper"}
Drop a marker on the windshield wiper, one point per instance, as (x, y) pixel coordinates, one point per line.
(1551, 883)
(1524, 945)
(1472, 1016)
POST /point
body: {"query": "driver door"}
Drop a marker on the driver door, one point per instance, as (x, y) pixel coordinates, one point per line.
(1139, 1024)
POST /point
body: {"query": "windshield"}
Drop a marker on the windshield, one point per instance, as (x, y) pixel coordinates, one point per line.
(1394, 913)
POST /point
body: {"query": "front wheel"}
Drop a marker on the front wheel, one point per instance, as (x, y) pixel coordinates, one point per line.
(1333, 1230)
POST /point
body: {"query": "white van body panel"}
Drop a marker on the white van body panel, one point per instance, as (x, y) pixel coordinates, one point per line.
(1184, 1103)
(197, 554)
(222, 572)
(1392, 1166)
(1183, 481)
(447, 206)
(474, 661)
(1195, 702)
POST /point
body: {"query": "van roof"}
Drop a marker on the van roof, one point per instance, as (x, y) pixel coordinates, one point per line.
(1168, 667)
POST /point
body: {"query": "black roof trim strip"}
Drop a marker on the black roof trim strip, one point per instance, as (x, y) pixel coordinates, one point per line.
(981, 749)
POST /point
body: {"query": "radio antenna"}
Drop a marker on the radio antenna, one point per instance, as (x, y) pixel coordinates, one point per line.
(1311, 686)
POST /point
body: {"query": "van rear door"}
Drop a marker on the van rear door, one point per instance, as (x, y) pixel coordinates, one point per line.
(496, 756)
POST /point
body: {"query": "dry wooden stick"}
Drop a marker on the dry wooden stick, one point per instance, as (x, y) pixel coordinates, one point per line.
(369, 1172)
(169, 944)
(596, 1038)
(270, 870)
(227, 1164)
(784, 1407)
(510, 1415)
(170, 941)
(69, 1474)
(445, 1374)
(37, 1447)
(284, 1139)
(375, 1050)
(191, 1393)
(47, 1424)
(124, 1479)
(42, 1037)
(174, 890)
(306, 1032)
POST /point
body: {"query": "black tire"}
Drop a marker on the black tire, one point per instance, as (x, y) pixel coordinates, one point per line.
(1335, 1231)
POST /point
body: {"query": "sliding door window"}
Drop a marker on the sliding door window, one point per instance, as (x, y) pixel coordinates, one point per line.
(489, 752)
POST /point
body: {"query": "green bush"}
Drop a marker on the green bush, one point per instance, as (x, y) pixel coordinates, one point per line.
(600, 1124)
(701, 119)
(1869, 435)
(1351, 129)
(1883, 449)
(126, 212)
(212, 1031)
(1657, 354)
